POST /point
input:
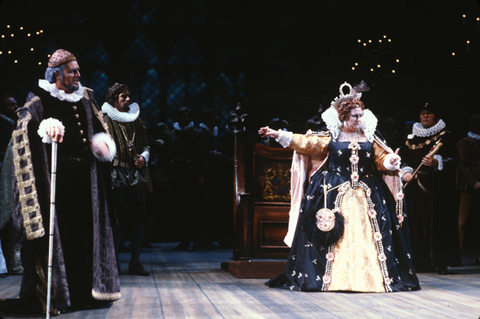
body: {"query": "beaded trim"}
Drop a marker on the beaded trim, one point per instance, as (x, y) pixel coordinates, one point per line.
(426, 143)
(328, 269)
(377, 235)
(354, 146)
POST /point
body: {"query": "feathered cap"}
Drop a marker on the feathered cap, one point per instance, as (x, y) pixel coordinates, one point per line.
(60, 57)
(330, 116)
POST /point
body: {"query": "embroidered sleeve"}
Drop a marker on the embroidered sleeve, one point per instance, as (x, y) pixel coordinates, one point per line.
(310, 145)
(382, 158)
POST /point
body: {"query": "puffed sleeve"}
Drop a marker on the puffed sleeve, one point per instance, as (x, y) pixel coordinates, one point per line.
(382, 158)
(310, 145)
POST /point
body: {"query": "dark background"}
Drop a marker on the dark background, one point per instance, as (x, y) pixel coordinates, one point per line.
(277, 58)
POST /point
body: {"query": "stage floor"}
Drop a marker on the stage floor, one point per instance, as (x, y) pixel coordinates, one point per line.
(192, 285)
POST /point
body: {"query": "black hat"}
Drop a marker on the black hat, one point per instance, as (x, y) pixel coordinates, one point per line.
(430, 108)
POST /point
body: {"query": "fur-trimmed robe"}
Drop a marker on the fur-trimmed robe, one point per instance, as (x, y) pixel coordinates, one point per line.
(84, 264)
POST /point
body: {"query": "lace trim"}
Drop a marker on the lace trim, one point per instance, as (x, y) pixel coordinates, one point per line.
(418, 129)
(61, 94)
(284, 138)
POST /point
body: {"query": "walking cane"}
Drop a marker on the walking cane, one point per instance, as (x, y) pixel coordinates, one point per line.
(53, 182)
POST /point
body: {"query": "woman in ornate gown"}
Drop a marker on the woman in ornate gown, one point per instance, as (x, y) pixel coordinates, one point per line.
(350, 233)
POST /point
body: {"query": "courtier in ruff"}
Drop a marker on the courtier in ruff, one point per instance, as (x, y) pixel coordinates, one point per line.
(347, 232)
(84, 265)
(432, 201)
(129, 175)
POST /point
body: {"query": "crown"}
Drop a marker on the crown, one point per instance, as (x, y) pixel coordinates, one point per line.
(354, 93)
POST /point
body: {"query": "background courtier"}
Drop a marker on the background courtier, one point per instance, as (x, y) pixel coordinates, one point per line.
(130, 175)
(431, 196)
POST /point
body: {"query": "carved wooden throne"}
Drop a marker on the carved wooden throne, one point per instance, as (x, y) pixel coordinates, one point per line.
(261, 209)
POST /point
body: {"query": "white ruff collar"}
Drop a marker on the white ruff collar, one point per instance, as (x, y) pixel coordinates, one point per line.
(177, 127)
(419, 131)
(61, 94)
(129, 116)
(368, 125)
(474, 136)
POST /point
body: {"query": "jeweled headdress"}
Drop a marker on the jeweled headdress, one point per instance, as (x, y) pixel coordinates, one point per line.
(354, 93)
(330, 116)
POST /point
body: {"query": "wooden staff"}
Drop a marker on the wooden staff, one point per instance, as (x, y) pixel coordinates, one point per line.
(432, 152)
(53, 185)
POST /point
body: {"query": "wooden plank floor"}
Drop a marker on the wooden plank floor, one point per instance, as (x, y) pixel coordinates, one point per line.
(192, 285)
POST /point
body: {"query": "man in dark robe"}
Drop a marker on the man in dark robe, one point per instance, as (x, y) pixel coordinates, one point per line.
(84, 266)
(430, 194)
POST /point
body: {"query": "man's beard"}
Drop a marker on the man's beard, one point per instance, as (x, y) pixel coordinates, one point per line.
(125, 107)
(72, 87)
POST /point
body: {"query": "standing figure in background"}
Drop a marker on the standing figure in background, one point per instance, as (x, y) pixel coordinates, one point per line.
(186, 148)
(130, 175)
(84, 265)
(213, 215)
(315, 123)
(275, 124)
(469, 185)
(347, 232)
(430, 194)
(8, 106)
(158, 212)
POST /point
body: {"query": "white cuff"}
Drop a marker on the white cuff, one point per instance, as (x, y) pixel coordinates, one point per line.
(439, 158)
(146, 154)
(406, 169)
(284, 138)
(112, 149)
(42, 129)
(388, 166)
